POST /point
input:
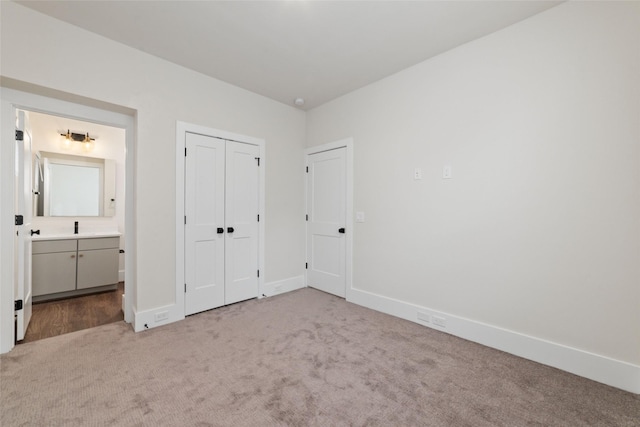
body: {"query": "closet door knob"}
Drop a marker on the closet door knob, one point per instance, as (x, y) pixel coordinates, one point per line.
(341, 230)
(220, 230)
(230, 230)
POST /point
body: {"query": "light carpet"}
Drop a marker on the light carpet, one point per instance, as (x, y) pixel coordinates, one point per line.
(304, 358)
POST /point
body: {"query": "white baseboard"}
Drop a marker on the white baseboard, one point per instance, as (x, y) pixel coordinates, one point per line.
(143, 320)
(120, 275)
(281, 286)
(615, 373)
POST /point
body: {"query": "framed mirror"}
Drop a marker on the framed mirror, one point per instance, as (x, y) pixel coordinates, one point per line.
(68, 185)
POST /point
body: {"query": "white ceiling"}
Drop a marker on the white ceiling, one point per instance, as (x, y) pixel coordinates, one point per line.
(316, 50)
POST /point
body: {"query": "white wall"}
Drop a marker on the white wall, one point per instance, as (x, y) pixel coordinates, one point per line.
(162, 93)
(538, 231)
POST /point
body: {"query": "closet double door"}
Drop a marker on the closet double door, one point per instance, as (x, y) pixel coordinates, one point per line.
(221, 222)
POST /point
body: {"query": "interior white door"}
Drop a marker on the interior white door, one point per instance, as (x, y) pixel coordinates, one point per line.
(242, 208)
(326, 210)
(204, 223)
(23, 206)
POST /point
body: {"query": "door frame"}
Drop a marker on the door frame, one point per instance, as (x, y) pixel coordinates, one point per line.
(103, 113)
(182, 128)
(346, 143)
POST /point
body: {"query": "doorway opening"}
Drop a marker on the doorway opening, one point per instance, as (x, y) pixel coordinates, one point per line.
(90, 112)
(67, 156)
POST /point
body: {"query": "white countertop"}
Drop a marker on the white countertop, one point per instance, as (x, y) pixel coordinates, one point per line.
(87, 235)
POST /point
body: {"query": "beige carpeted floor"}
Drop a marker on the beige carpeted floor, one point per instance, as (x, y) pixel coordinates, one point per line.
(302, 358)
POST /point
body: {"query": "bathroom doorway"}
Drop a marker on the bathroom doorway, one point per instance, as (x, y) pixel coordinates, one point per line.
(60, 104)
(69, 208)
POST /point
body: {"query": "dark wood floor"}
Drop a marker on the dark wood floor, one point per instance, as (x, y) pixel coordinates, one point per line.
(73, 314)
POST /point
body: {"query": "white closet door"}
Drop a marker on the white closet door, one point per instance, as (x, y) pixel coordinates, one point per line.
(326, 207)
(242, 207)
(204, 211)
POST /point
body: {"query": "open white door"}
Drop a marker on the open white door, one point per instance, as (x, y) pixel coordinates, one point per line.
(204, 223)
(242, 208)
(327, 218)
(23, 210)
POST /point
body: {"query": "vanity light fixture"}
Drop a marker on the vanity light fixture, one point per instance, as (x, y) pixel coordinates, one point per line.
(87, 143)
(85, 139)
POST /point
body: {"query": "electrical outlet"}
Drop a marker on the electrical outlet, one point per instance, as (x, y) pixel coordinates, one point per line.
(159, 317)
(439, 321)
(424, 317)
(417, 173)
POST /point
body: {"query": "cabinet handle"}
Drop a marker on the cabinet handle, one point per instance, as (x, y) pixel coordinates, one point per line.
(80, 256)
(73, 256)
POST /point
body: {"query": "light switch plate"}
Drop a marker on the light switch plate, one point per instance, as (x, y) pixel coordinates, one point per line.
(359, 216)
(446, 172)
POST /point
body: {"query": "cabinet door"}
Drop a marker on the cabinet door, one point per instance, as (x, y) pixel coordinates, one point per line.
(97, 268)
(54, 272)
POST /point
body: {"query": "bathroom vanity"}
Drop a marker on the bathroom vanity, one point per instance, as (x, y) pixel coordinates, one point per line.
(71, 265)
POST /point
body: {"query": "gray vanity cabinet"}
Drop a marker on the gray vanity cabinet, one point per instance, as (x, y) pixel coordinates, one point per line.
(54, 266)
(63, 268)
(97, 262)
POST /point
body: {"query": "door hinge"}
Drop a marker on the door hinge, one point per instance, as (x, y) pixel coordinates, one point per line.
(307, 169)
(185, 220)
(306, 217)
(18, 305)
(19, 220)
(258, 273)
(19, 135)
(306, 265)
(185, 288)
(185, 151)
(258, 217)
(258, 159)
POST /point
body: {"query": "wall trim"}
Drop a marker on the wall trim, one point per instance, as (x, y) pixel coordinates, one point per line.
(146, 319)
(143, 320)
(616, 373)
(281, 286)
